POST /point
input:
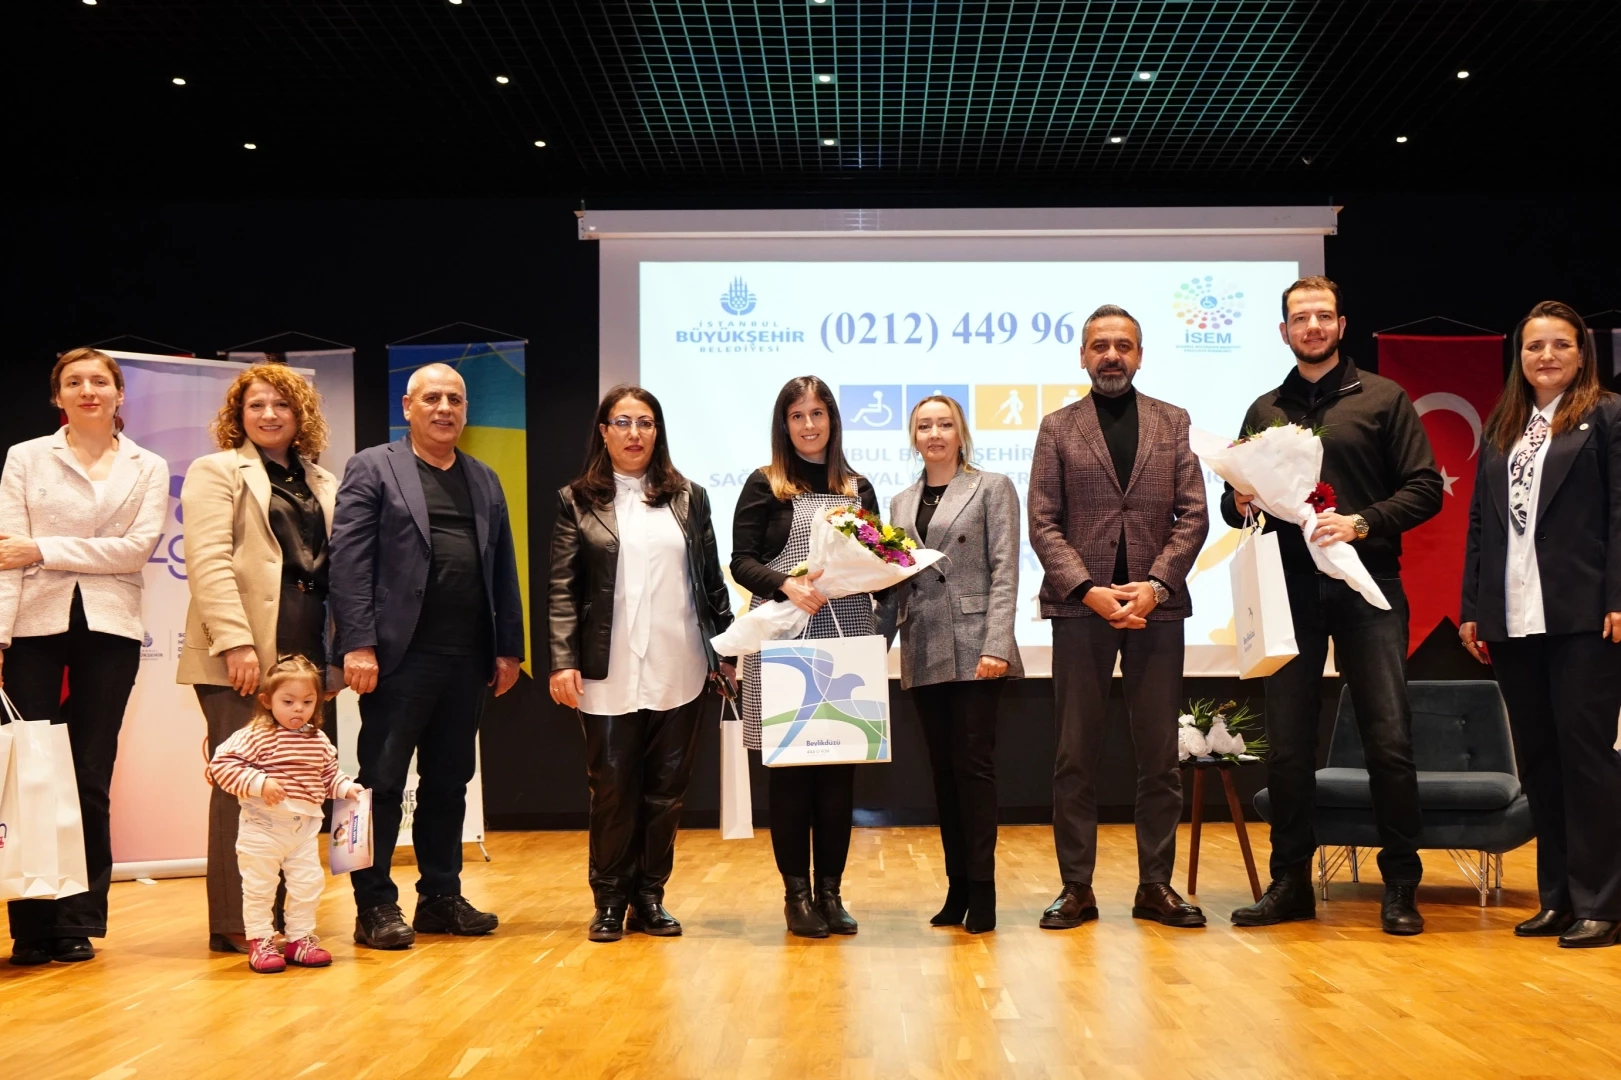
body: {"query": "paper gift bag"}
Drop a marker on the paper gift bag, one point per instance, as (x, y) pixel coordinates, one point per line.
(43, 855)
(736, 800)
(824, 701)
(1264, 625)
(349, 847)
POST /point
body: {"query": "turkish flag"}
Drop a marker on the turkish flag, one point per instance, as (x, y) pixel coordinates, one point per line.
(1454, 383)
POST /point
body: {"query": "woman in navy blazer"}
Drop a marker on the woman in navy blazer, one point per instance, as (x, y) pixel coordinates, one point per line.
(1542, 604)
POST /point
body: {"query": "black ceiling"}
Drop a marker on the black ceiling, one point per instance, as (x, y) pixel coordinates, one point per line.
(692, 96)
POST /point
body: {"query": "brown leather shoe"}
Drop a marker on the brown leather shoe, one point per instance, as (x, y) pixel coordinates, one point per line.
(1075, 904)
(229, 943)
(1156, 900)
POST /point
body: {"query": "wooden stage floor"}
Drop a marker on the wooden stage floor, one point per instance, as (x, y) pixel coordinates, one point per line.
(736, 997)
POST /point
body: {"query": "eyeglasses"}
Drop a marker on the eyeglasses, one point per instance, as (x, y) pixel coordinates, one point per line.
(625, 423)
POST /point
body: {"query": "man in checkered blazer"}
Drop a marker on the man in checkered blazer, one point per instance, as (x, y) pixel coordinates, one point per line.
(1117, 516)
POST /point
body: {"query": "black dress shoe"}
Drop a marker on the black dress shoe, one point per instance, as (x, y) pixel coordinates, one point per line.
(229, 943)
(1156, 900)
(1287, 899)
(30, 952)
(383, 927)
(830, 906)
(451, 915)
(609, 923)
(1075, 904)
(1545, 923)
(802, 917)
(1590, 934)
(72, 950)
(955, 907)
(649, 917)
(1399, 913)
(981, 916)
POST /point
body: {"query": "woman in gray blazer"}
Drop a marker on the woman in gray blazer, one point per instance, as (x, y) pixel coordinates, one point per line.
(956, 628)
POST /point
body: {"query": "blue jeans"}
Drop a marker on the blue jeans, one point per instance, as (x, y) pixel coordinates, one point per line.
(1370, 650)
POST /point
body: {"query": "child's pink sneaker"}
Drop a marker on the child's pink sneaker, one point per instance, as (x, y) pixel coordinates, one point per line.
(264, 957)
(306, 953)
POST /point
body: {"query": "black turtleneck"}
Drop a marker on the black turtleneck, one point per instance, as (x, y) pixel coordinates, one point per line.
(1117, 416)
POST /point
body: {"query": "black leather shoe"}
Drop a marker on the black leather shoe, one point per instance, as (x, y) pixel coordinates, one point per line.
(1287, 899)
(981, 907)
(72, 950)
(30, 952)
(1399, 912)
(649, 917)
(383, 927)
(955, 907)
(609, 924)
(802, 917)
(1075, 904)
(1156, 900)
(1545, 923)
(229, 943)
(1590, 934)
(451, 915)
(831, 907)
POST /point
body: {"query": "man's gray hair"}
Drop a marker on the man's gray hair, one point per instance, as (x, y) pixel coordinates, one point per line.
(1114, 311)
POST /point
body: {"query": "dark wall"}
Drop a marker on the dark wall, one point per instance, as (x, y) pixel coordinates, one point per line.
(205, 276)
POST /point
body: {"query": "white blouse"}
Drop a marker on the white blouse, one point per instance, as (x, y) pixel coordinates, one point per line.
(1523, 587)
(656, 654)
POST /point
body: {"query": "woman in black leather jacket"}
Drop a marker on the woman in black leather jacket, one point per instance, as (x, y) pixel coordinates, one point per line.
(636, 594)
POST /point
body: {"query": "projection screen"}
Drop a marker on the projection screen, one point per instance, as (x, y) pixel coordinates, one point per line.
(714, 310)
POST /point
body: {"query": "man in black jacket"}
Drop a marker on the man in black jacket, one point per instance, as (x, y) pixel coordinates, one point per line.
(1379, 463)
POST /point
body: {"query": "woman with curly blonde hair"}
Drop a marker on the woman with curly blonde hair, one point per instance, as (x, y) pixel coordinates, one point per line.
(258, 515)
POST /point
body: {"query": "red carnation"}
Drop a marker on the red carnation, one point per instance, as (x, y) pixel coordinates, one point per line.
(1321, 498)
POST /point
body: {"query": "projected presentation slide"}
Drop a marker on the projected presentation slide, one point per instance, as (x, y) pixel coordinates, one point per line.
(718, 340)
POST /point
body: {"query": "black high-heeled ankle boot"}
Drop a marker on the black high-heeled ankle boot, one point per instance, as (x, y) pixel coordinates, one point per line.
(956, 905)
(831, 908)
(803, 918)
(981, 907)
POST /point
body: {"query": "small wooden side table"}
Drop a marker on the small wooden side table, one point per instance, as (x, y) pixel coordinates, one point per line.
(1200, 766)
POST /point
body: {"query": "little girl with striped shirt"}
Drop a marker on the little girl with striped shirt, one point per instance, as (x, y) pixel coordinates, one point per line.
(281, 767)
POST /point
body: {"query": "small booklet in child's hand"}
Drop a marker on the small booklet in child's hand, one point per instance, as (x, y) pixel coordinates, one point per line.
(350, 846)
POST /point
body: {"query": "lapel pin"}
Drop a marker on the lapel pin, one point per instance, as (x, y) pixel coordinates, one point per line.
(1584, 427)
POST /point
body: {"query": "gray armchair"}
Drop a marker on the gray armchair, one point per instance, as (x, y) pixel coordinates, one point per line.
(1468, 785)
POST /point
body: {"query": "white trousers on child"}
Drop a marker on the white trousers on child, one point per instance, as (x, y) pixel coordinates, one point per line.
(268, 846)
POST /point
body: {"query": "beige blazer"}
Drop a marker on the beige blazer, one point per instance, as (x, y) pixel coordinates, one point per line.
(233, 562)
(98, 543)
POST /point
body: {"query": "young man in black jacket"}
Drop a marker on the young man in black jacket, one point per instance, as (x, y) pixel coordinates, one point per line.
(1378, 460)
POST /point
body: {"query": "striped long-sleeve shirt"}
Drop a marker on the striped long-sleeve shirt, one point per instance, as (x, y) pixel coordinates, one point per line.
(304, 763)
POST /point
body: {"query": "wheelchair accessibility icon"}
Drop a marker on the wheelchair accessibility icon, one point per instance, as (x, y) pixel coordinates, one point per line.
(871, 408)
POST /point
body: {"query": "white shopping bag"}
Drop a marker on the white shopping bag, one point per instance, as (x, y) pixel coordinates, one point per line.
(824, 701)
(349, 847)
(736, 800)
(43, 855)
(1261, 616)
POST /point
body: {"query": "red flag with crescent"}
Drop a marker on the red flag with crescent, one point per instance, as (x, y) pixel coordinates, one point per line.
(1454, 383)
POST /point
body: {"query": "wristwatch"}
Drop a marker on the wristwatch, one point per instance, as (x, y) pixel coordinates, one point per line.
(1360, 524)
(1161, 593)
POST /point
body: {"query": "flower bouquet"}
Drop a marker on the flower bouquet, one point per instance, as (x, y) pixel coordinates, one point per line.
(1217, 732)
(856, 552)
(1281, 467)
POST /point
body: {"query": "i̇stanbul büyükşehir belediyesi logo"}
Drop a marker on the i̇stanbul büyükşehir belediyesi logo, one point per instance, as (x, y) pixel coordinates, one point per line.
(737, 299)
(1202, 303)
(737, 334)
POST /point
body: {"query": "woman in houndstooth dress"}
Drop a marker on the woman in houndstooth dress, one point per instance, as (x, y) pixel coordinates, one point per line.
(810, 805)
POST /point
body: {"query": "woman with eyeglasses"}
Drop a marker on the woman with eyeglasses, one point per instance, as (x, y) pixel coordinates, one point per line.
(957, 648)
(258, 516)
(636, 594)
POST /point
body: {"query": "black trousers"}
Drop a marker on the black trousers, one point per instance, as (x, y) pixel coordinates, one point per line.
(638, 766)
(1084, 650)
(1370, 650)
(1563, 693)
(429, 705)
(812, 807)
(101, 671)
(959, 726)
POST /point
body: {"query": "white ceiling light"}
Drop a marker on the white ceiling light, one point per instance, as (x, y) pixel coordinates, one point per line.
(1145, 76)
(1401, 138)
(502, 79)
(250, 146)
(1463, 74)
(90, 3)
(178, 81)
(540, 143)
(1115, 139)
(457, 2)
(830, 142)
(826, 80)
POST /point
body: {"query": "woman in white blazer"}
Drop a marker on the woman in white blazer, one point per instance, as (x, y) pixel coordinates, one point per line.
(80, 512)
(258, 517)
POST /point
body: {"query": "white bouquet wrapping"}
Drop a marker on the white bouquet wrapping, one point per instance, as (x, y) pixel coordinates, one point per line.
(856, 554)
(1281, 467)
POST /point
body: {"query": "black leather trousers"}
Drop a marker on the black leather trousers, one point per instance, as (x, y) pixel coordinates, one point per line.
(638, 766)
